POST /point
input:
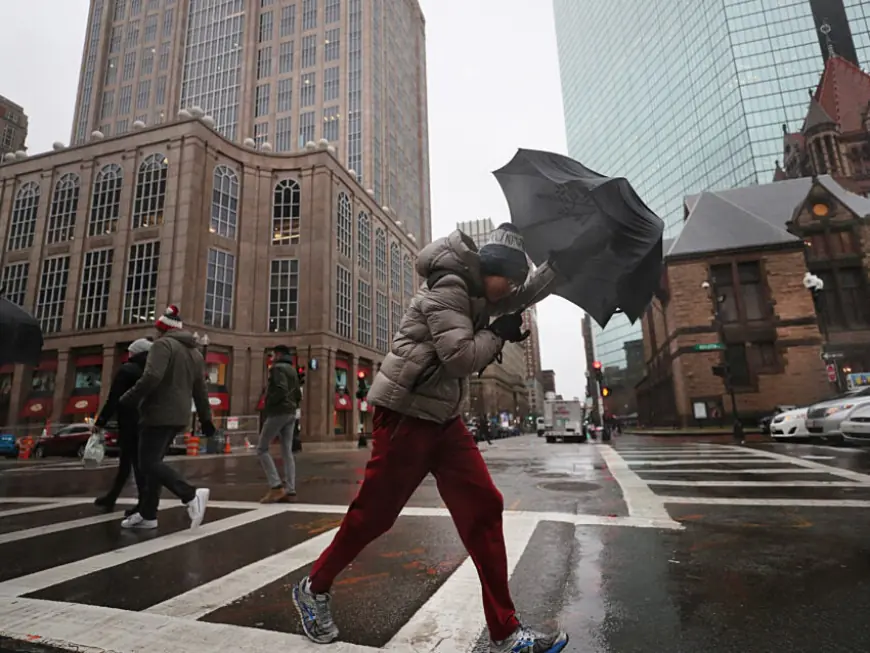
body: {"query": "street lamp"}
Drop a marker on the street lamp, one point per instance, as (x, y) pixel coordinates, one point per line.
(724, 370)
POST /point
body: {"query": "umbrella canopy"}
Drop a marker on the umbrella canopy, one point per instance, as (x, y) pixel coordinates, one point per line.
(612, 240)
(20, 335)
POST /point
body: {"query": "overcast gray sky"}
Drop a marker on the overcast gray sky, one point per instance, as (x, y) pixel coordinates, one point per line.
(493, 87)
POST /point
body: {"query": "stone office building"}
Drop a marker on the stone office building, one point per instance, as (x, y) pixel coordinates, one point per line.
(256, 249)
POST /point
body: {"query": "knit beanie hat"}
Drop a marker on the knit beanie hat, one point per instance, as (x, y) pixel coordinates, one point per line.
(504, 255)
(170, 319)
(139, 346)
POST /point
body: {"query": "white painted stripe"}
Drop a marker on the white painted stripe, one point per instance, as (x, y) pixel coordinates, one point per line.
(64, 500)
(701, 461)
(89, 627)
(639, 498)
(806, 503)
(682, 472)
(452, 619)
(209, 597)
(45, 506)
(60, 526)
(686, 454)
(48, 577)
(809, 464)
(760, 484)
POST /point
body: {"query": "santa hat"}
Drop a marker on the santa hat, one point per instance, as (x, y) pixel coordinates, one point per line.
(170, 319)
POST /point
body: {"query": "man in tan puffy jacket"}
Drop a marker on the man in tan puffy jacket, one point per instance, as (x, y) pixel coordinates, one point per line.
(444, 337)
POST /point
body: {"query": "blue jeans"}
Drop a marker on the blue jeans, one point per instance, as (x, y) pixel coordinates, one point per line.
(282, 426)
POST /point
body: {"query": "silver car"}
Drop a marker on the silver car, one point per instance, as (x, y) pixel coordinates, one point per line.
(824, 418)
(856, 426)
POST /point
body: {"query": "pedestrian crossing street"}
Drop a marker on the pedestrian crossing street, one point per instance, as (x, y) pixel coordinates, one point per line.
(70, 576)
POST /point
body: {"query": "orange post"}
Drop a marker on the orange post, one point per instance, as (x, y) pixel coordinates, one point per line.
(192, 445)
(25, 446)
(227, 447)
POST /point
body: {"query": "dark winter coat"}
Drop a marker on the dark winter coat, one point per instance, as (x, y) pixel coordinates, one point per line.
(283, 392)
(125, 378)
(174, 372)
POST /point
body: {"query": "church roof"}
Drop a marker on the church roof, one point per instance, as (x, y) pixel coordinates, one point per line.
(844, 93)
(816, 116)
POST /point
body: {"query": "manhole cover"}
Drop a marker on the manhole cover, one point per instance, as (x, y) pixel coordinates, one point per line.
(569, 486)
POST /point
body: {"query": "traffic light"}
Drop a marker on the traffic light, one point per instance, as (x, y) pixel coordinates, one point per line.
(362, 390)
(301, 372)
(596, 369)
(605, 391)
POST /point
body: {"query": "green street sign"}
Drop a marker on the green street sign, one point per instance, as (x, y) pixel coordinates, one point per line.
(709, 346)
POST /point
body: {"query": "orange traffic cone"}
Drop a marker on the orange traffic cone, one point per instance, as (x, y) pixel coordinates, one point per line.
(227, 447)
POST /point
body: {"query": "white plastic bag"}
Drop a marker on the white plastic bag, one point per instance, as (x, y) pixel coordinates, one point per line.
(95, 451)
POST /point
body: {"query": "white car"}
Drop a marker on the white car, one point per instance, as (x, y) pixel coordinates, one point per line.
(790, 424)
(856, 427)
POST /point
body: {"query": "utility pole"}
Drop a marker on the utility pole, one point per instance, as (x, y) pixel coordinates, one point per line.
(724, 370)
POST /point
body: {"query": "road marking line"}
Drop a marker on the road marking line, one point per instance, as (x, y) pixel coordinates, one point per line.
(809, 464)
(684, 454)
(701, 461)
(761, 483)
(416, 511)
(222, 591)
(45, 506)
(639, 498)
(59, 526)
(56, 575)
(772, 470)
(452, 619)
(806, 503)
(69, 625)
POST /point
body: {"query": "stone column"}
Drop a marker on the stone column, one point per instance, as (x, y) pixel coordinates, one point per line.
(329, 379)
(108, 372)
(19, 392)
(353, 384)
(61, 384)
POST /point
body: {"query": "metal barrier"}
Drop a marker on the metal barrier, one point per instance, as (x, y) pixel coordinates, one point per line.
(235, 433)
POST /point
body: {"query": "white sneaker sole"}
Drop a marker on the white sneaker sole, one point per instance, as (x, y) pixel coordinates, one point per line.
(201, 502)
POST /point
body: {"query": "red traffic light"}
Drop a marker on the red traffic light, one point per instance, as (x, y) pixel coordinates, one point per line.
(596, 365)
(360, 375)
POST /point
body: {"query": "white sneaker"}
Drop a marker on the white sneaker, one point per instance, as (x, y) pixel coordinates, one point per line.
(136, 521)
(196, 507)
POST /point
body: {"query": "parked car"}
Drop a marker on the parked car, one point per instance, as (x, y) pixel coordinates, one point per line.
(824, 418)
(765, 422)
(856, 427)
(8, 445)
(66, 441)
(790, 425)
(110, 439)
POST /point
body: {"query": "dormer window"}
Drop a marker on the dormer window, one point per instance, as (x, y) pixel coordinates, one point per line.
(821, 209)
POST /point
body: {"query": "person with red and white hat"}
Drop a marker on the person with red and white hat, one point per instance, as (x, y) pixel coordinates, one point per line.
(174, 372)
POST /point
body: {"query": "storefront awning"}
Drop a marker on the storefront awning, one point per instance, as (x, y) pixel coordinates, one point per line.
(219, 401)
(82, 405)
(36, 408)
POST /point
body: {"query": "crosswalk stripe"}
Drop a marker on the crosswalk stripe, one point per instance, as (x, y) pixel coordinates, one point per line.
(209, 597)
(59, 526)
(701, 461)
(640, 499)
(759, 483)
(45, 506)
(737, 501)
(707, 470)
(86, 627)
(55, 575)
(809, 464)
(452, 618)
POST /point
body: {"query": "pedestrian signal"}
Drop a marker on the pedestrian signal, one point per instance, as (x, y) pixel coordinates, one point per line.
(300, 371)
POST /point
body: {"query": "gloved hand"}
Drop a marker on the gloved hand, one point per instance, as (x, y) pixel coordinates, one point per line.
(510, 328)
(100, 422)
(208, 429)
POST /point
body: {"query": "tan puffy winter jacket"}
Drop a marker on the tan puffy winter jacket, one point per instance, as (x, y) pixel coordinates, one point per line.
(442, 339)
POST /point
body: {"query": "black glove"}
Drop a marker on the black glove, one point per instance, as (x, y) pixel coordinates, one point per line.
(208, 429)
(510, 328)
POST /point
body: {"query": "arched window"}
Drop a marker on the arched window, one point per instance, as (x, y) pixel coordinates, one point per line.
(24, 210)
(285, 212)
(64, 205)
(345, 226)
(225, 202)
(364, 241)
(395, 269)
(106, 200)
(150, 192)
(408, 271)
(381, 255)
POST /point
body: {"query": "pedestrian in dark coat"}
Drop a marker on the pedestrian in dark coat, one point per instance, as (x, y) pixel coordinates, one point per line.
(128, 424)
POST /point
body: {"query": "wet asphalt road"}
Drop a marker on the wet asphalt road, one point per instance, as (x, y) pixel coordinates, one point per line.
(653, 544)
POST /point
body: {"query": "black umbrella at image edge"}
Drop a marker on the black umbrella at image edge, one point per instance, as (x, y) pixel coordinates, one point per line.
(20, 336)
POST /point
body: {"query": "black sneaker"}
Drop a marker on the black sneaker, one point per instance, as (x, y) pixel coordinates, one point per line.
(105, 503)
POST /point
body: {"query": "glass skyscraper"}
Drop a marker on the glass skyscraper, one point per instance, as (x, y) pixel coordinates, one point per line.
(681, 96)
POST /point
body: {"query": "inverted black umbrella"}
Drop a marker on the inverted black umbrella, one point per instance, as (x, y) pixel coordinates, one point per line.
(20, 335)
(608, 242)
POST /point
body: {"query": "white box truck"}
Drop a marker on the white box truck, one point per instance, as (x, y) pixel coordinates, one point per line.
(564, 420)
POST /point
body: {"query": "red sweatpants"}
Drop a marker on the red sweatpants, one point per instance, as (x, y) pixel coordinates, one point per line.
(404, 451)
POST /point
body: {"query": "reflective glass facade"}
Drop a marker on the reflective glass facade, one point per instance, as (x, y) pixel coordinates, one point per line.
(681, 96)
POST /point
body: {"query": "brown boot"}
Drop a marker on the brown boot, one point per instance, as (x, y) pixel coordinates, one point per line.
(274, 495)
